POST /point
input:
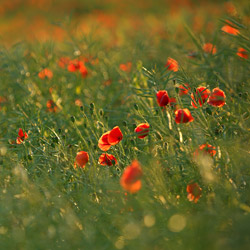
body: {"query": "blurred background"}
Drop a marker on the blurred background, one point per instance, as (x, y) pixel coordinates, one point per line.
(41, 20)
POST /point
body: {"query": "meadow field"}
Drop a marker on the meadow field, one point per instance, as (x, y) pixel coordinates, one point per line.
(124, 125)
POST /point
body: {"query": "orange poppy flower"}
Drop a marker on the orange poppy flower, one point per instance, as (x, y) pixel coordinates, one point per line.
(110, 138)
(217, 98)
(51, 106)
(242, 53)
(107, 159)
(194, 192)
(205, 149)
(162, 98)
(21, 136)
(172, 64)
(126, 67)
(82, 159)
(202, 94)
(184, 90)
(230, 30)
(183, 116)
(130, 179)
(45, 73)
(142, 130)
(209, 48)
(63, 62)
(103, 143)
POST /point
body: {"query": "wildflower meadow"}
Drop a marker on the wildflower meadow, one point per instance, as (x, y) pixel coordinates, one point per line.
(124, 125)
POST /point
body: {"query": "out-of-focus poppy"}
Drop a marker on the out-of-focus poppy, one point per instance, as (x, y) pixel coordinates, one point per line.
(183, 90)
(130, 179)
(63, 62)
(230, 30)
(242, 53)
(217, 98)
(205, 149)
(230, 8)
(202, 94)
(162, 98)
(107, 159)
(110, 138)
(51, 106)
(78, 103)
(183, 116)
(107, 82)
(45, 73)
(76, 65)
(21, 136)
(194, 192)
(126, 66)
(2, 101)
(82, 159)
(142, 130)
(209, 48)
(172, 64)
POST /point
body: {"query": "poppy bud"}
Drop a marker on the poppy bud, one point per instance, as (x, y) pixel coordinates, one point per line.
(136, 107)
(81, 108)
(72, 119)
(124, 123)
(101, 112)
(92, 105)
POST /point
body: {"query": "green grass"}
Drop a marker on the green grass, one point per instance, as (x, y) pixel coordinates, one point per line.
(45, 203)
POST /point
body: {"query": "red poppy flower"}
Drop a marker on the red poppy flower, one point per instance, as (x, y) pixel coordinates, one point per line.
(202, 94)
(162, 98)
(205, 149)
(209, 48)
(115, 136)
(82, 159)
(184, 90)
(76, 65)
(21, 136)
(110, 138)
(217, 98)
(194, 192)
(63, 62)
(126, 67)
(103, 143)
(183, 116)
(142, 130)
(130, 179)
(242, 53)
(107, 159)
(230, 30)
(45, 73)
(51, 106)
(172, 65)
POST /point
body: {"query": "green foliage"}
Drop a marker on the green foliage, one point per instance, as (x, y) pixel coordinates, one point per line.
(46, 203)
